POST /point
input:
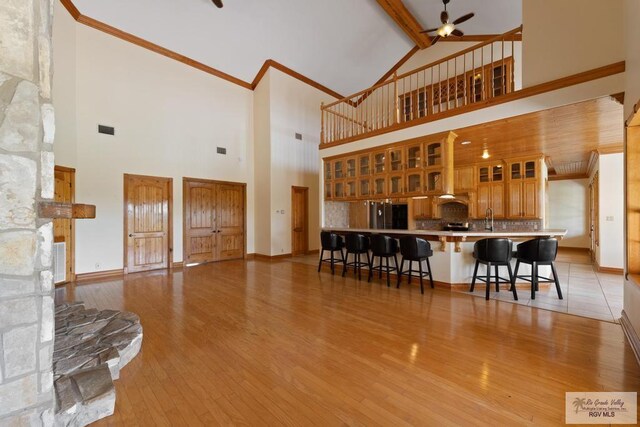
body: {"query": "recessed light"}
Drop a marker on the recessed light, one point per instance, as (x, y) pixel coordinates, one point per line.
(465, 143)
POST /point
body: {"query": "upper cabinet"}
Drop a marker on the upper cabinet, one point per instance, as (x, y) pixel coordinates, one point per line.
(525, 189)
(464, 179)
(513, 188)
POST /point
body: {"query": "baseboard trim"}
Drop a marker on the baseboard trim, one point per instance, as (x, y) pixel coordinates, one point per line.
(99, 275)
(178, 265)
(266, 257)
(631, 335)
(610, 270)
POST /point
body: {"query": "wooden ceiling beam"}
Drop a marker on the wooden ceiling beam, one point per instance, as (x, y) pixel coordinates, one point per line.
(406, 21)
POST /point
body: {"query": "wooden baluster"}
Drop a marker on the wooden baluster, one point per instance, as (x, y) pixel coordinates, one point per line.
(512, 85)
(395, 98)
(322, 123)
(464, 79)
(432, 103)
(503, 78)
(473, 75)
(493, 80)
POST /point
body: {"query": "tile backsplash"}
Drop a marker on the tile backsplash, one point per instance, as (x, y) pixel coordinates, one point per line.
(336, 214)
(478, 224)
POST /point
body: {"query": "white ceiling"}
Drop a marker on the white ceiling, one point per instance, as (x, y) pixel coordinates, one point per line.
(492, 16)
(346, 45)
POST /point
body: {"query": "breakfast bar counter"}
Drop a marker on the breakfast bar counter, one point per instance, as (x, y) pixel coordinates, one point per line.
(452, 262)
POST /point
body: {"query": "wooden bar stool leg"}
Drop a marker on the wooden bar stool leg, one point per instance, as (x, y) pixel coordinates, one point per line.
(486, 296)
(430, 276)
(332, 263)
(534, 279)
(497, 279)
(320, 262)
(388, 270)
(373, 258)
(475, 273)
(400, 272)
(555, 279)
(410, 270)
(420, 270)
(515, 274)
(344, 265)
(513, 286)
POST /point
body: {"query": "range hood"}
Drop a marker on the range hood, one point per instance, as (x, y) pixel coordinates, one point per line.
(448, 172)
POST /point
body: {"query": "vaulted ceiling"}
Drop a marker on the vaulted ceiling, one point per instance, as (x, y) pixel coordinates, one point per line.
(345, 45)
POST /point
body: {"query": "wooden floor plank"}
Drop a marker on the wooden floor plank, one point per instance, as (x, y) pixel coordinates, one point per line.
(276, 343)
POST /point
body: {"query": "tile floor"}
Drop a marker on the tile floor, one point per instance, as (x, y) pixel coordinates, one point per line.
(586, 292)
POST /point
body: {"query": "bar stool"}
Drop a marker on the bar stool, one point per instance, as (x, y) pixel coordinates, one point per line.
(537, 252)
(415, 249)
(383, 247)
(496, 253)
(330, 242)
(356, 244)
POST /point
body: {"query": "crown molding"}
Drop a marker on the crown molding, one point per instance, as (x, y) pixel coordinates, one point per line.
(138, 41)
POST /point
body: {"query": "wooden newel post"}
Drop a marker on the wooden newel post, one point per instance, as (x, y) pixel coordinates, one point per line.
(396, 103)
(321, 123)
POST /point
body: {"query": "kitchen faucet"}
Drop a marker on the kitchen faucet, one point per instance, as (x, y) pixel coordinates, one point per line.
(488, 219)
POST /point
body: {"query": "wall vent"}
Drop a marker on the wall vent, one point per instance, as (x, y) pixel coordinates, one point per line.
(221, 150)
(107, 130)
(298, 136)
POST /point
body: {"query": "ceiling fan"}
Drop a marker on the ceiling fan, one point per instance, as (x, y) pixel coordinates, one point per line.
(448, 28)
(217, 2)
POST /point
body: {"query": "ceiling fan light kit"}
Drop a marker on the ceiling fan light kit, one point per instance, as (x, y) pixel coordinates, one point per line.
(448, 28)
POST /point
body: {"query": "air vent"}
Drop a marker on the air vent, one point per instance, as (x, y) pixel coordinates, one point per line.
(221, 150)
(107, 130)
(298, 136)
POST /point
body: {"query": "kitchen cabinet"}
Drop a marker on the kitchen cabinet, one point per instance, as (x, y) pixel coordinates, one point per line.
(464, 179)
(422, 208)
(491, 195)
(524, 189)
(380, 186)
(395, 185)
(364, 187)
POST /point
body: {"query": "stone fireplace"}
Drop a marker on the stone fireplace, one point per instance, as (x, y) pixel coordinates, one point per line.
(26, 178)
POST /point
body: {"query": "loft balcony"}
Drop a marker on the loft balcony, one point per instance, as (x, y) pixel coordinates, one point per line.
(479, 76)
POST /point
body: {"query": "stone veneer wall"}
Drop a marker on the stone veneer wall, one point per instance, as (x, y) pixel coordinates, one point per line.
(26, 177)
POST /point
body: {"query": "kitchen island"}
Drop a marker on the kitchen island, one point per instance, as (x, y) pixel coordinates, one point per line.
(452, 262)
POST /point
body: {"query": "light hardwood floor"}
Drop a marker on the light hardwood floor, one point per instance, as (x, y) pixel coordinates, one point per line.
(272, 343)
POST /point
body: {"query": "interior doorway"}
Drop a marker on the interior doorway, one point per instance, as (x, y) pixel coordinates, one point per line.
(63, 228)
(213, 220)
(299, 220)
(147, 223)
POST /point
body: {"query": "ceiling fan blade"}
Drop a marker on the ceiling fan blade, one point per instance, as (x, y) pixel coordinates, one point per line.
(217, 2)
(464, 18)
(444, 17)
(429, 30)
(434, 40)
(457, 33)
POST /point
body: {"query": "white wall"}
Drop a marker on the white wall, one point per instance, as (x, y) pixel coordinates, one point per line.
(262, 141)
(610, 252)
(561, 38)
(294, 108)
(632, 50)
(168, 120)
(64, 85)
(568, 207)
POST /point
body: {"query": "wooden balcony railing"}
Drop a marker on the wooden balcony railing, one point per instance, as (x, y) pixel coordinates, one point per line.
(477, 74)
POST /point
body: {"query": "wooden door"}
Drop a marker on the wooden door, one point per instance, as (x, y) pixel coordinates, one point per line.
(199, 221)
(530, 199)
(147, 223)
(514, 196)
(299, 220)
(63, 228)
(497, 200)
(230, 201)
(213, 220)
